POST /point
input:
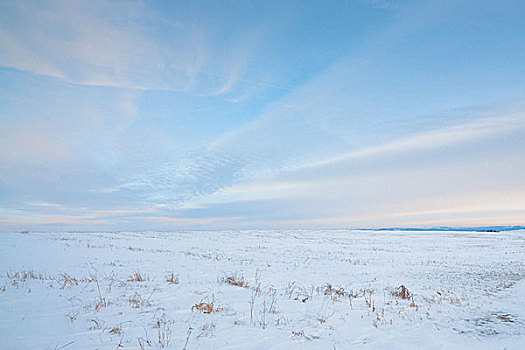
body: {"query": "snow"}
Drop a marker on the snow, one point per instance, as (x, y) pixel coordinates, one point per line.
(78, 290)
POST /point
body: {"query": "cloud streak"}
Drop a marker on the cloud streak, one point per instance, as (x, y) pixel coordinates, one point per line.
(108, 44)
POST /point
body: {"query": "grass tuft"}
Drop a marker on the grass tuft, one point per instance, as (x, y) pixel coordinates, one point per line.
(136, 277)
(234, 280)
(172, 279)
(402, 292)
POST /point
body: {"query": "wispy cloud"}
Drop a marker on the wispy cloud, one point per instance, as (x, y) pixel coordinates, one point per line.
(455, 136)
(480, 128)
(108, 44)
(83, 43)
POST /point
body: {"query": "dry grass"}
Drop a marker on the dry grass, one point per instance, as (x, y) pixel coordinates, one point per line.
(95, 323)
(101, 300)
(300, 335)
(206, 307)
(188, 335)
(22, 276)
(136, 277)
(402, 292)
(67, 280)
(172, 279)
(102, 303)
(367, 296)
(72, 315)
(334, 293)
(163, 326)
(234, 280)
(117, 330)
(133, 249)
(137, 301)
(206, 330)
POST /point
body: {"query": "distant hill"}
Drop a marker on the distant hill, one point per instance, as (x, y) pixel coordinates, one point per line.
(446, 228)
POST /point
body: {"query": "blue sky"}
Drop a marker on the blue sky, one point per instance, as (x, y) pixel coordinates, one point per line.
(264, 114)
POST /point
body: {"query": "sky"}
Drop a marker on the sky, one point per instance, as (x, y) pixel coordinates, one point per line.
(166, 115)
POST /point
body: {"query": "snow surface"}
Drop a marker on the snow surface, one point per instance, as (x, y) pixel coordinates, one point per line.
(298, 290)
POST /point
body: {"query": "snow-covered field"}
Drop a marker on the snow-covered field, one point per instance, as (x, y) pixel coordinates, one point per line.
(262, 290)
